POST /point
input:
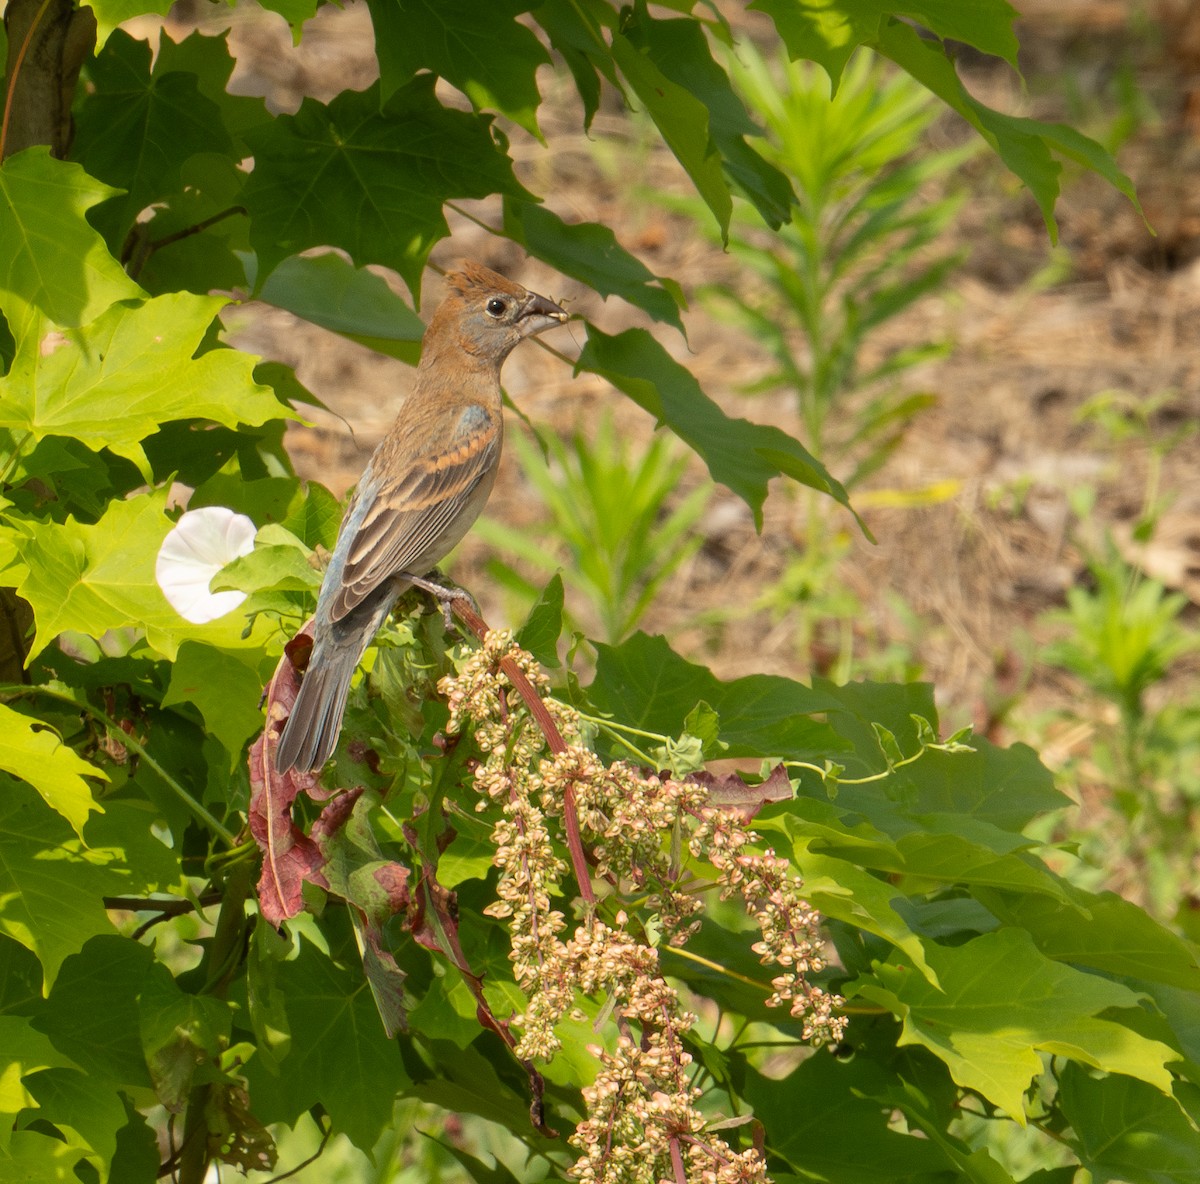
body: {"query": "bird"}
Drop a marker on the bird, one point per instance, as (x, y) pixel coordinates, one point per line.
(423, 487)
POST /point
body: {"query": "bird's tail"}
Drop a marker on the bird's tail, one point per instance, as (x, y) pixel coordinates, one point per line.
(311, 732)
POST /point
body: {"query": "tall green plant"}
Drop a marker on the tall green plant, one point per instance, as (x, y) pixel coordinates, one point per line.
(862, 246)
(1123, 635)
(614, 529)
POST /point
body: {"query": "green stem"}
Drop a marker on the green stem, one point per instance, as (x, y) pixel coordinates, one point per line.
(127, 741)
(615, 730)
(11, 463)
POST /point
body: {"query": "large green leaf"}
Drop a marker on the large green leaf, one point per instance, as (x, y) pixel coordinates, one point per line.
(92, 1013)
(1127, 1131)
(846, 892)
(88, 1116)
(1002, 1002)
(1103, 931)
(50, 890)
(1026, 146)
(680, 50)
(683, 121)
(101, 577)
(338, 1055)
(952, 859)
(828, 31)
(480, 48)
(369, 178)
(51, 259)
(575, 32)
(822, 1121)
(31, 1157)
(740, 454)
(333, 293)
(225, 686)
(111, 13)
(114, 381)
(990, 790)
(137, 129)
(305, 508)
(209, 60)
(589, 252)
(54, 770)
(645, 683)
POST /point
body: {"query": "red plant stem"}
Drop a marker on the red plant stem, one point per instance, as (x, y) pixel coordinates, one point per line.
(545, 721)
(677, 1161)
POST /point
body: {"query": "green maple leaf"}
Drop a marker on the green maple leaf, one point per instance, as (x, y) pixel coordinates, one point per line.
(338, 1055)
(742, 455)
(52, 768)
(1002, 1002)
(828, 31)
(479, 48)
(115, 381)
(92, 578)
(51, 259)
(137, 130)
(589, 252)
(370, 179)
(111, 13)
(683, 121)
(644, 682)
(51, 887)
(209, 60)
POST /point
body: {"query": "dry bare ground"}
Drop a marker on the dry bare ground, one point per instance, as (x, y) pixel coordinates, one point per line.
(975, 571)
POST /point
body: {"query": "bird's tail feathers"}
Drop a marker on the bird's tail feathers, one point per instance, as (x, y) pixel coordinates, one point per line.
(311, 732)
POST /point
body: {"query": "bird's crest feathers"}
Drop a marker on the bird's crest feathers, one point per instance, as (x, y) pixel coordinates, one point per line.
(475, 278)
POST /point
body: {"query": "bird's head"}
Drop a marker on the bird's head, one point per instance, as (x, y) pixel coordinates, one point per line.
(487, 315)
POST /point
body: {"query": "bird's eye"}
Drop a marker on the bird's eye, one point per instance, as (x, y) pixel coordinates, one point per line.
(496, 307)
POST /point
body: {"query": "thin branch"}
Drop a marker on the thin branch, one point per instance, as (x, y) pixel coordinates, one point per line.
(326, 1134)
(171, 907)
(138, 252)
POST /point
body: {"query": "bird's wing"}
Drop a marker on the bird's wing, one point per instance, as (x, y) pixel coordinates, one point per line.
(412, 510)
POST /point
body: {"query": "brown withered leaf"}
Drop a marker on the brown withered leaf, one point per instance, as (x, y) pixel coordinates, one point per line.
(289, 856)
(730, 791)
(235, 1135)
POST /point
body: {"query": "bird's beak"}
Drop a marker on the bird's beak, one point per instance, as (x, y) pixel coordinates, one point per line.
(537, 314)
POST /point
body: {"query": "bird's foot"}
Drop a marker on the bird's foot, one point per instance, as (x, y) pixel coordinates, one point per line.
(444, 594)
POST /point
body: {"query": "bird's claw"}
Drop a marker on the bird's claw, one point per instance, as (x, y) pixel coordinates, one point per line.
(444, 594)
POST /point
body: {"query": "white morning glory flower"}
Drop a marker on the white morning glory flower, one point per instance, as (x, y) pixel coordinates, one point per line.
(200, 544)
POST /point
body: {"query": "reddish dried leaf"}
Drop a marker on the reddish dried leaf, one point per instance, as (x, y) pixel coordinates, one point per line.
(729, 791)
(289, 856)
(393, 879)
(334, 816)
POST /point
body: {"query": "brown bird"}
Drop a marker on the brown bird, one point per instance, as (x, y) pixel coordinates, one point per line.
(421, 490)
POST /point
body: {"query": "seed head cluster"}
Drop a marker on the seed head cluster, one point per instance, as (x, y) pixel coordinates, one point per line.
(642, 1124)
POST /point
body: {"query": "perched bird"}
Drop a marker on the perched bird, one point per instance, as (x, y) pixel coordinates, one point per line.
(421, 490)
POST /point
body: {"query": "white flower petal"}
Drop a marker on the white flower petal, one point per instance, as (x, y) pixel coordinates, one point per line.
(197, 547)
